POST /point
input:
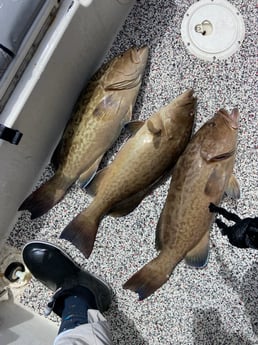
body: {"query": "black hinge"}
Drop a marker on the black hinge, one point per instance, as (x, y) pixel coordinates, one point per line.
(13, 136)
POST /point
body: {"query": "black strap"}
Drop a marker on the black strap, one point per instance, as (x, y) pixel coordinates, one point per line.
(13, 136)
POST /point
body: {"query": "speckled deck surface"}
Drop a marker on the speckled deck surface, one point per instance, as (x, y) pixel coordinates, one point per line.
(213, 306)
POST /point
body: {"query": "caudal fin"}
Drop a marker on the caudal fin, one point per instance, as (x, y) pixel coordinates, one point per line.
(81, 232)
(151, 277)
(46, 196)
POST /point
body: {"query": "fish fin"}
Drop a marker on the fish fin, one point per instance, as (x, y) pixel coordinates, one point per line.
(128, 115)
(46, 196)
(93, 187)
(106, 107)
(88, 175)
(151, 277)
(233, 190)
(159, 227)
(164, 220)
(198, 257)
(60, 151)
(55, 159)
(154, 128)
(126, 206)
(81, 232)
(159, 240)
(167, 124)
(134, 126)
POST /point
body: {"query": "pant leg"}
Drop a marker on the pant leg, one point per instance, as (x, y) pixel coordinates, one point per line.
(96, 332)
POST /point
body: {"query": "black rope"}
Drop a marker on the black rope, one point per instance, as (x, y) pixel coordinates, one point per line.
(243, 234)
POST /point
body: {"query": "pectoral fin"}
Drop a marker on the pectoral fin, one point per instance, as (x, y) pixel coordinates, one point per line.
(199, 255)
(134, 126)
(154, 128)
(233, 190)
(169, 128)
(159, 124)
(106, 108)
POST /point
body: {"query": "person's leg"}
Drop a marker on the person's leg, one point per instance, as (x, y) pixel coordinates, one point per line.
(76, 293)
(75, 308)
(95, 332)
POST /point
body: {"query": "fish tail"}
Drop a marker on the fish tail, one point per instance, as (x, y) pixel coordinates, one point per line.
(46, 196)
(81, 232)
(151, 277)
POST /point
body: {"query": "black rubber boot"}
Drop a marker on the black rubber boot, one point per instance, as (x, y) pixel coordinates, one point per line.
(54, 268)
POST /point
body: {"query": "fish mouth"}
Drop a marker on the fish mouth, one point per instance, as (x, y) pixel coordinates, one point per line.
(139, 55)
(231, 118)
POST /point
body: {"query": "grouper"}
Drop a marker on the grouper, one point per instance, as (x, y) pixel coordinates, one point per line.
(101, 112)
(202, 175)
(141, 164)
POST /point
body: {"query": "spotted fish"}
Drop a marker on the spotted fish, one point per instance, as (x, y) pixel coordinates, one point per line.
(141, 163)
(202, 175)
(99, 115)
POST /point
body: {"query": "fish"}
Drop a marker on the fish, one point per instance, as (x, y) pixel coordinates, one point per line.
(101, 112)
(142, 162)
(202, 175)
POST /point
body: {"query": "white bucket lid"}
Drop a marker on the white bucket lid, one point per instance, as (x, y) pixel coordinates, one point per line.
(212, 29)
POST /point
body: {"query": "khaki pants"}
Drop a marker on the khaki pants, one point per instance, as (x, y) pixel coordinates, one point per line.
(96, 332)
